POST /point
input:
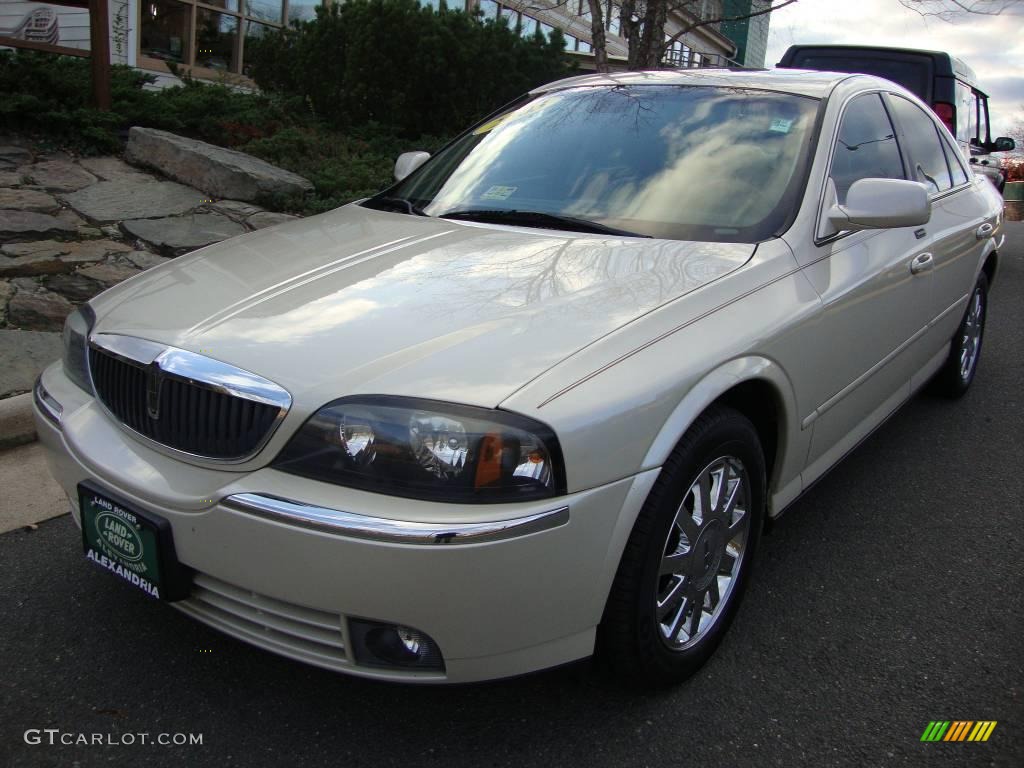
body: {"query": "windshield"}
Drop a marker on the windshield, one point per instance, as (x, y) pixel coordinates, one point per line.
(680, 162)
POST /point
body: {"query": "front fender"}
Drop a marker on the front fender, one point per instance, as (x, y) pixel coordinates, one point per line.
(784, 484)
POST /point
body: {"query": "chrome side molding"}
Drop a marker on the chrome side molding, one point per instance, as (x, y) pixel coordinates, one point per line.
(393, 531)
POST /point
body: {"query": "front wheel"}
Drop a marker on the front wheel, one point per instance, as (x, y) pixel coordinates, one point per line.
(956, 375)
(689, 555)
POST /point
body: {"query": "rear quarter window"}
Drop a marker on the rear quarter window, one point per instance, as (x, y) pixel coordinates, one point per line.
(956, 169)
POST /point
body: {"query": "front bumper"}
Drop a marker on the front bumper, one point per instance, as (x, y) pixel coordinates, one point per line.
(503, 590)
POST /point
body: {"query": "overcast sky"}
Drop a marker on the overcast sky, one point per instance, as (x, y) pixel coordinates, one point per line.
(993, 46)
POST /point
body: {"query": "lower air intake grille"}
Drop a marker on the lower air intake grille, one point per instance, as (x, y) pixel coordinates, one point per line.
(291, 630)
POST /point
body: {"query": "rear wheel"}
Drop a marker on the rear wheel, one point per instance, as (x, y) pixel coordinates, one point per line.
(689, 555)
(956, 375)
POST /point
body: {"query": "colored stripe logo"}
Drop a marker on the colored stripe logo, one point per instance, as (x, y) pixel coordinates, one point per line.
(958, 730)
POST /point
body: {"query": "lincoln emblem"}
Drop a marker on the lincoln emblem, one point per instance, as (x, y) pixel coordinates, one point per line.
(154, 380)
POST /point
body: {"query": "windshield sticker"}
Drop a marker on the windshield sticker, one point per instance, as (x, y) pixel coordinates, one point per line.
(780, 125)
(490, 125)
(498, 193)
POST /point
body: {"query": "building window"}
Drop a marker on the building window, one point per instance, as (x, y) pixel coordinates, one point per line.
(222, 27)
(677, 54)
(166, 31)
(253, 32)
(710, 9)
(264, 10)
(525, 24)
(302, 10)
(216, 40)
(489, 9)
(613, 19)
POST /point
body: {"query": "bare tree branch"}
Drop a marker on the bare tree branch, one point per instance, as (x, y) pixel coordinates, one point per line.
(705, 22)
(954, 10)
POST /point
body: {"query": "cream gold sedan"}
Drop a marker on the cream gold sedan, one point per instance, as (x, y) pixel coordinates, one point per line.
(539, 398)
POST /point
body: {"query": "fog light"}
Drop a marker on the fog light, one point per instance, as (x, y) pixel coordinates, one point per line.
(392, 645)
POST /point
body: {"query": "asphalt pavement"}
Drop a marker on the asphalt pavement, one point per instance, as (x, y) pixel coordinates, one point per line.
(888, 597)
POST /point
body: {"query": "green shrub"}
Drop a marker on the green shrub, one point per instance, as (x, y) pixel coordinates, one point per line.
(398, 63)
(46, 97)
(342, 167)
(49, 95)
(343, 96)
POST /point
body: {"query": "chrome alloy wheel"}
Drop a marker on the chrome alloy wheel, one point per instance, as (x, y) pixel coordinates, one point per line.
(970, 342)
(703, 553)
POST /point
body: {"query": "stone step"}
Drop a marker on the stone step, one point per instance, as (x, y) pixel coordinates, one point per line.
(219, 172)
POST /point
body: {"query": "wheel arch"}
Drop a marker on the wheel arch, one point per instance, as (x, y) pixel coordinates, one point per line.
(990, 265)
(758, 388)
(988, 259)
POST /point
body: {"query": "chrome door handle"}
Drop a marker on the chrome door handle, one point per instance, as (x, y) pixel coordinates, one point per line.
(921, 263)
(984, 231)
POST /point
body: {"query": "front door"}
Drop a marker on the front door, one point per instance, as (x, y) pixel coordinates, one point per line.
(876, 289)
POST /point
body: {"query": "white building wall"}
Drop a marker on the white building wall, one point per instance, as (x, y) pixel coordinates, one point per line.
(69, 27)
(45, 23)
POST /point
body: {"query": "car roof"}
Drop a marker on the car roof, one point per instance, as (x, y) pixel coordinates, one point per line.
(797, 81)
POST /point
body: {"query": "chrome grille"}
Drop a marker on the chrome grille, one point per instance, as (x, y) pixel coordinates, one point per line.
(184, 401)
(292, 630)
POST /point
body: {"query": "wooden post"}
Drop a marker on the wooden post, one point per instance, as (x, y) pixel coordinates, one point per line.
(99, 52)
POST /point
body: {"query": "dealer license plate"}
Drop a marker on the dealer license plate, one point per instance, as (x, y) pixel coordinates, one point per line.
(135, 546)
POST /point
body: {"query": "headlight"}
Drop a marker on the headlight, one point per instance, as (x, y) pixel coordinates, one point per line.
(425, 449)
(76, 345)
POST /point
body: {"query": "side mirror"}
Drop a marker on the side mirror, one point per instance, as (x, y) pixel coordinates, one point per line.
(408, 162)
(882, 204)
(1004, 144)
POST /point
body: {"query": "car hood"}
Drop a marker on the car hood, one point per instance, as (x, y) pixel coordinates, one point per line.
(360, 301)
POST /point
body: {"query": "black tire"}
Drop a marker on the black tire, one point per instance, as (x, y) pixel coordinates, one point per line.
(951, 381)
(631, 641)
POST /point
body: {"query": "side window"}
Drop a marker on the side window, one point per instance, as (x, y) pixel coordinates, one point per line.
(922, 144)
(983, 129)
(866, 148)
(966, 114)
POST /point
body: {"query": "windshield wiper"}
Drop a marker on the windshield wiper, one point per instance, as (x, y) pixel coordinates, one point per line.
(538, 219)
(393, 204)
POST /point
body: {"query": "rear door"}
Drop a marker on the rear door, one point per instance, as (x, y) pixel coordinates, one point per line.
(960, 220)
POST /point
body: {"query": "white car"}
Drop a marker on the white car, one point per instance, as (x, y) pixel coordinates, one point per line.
(540, 397)
(991, 168)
